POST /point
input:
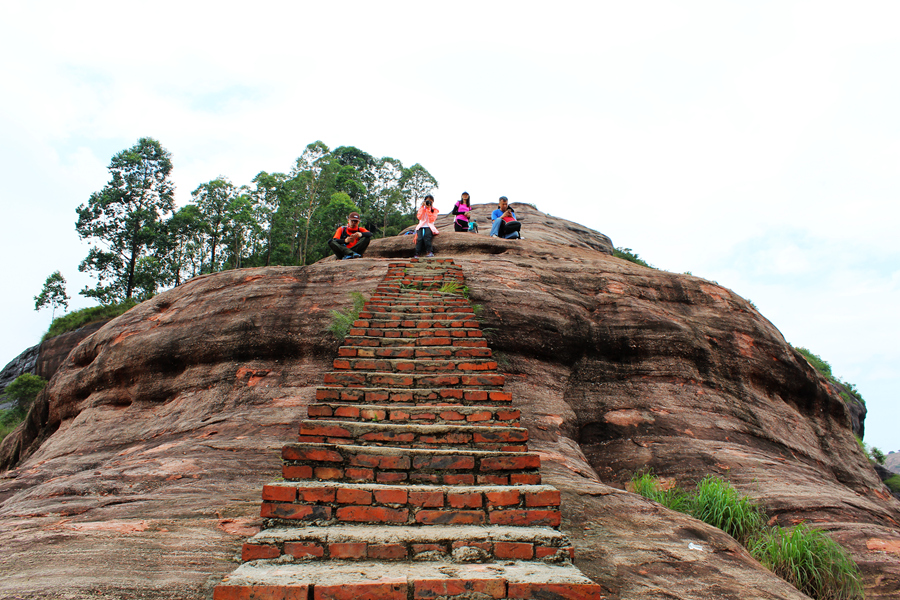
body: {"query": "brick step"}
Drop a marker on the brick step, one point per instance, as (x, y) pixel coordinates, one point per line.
(395, 435)
(420, 580)
(406, 302)
(452, 309)
(437, 338)
(488, 416)
(379, 464)
(452, 322)
(414, 380)
(412, 397)
(325, 504)
(413, 352)
(457, 366)
(361, 542)
(451, 314)
(427, 333)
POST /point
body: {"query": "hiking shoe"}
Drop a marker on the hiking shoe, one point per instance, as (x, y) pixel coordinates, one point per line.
(355, 255)
(431, 255)
(345, 257)
(416, 256)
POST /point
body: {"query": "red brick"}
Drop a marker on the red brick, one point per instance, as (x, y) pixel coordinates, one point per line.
(294, 511)
(391, 477)
(427, 499)
(376, 461)
(391, 496)
(477, 395)
(328, 473)
(351, 412)
(279, 493)
(340, 363)
(452, 415)
(525, 479)
(346, 351)
(347, 550)
(304, 549)
(500, 396)
(483, 415)
(316, 494)
(420, 548)
(259, 551)
(486, 546)
(493, 480)
(373, 514)
(313, 428)
(445, 461)
(504, 498)
(513, 550)
(508, 415)
(545, 498)
(319, 410)
(353, 496)
(360, 474)
(444, 588)
(394, 437)
(450, 517)
(387, 551)
(458, 479)
(560, 591)
(462, 500)
(294, 472)
(425, 416)
(526, 518)
(545, 551)
(310, 454)
(372, 414)
(257, 592)
(511, 463)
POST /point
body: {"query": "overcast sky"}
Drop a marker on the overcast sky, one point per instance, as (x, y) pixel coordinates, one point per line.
(753, 144)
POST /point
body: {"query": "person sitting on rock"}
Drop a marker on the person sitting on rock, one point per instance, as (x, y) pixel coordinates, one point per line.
(461, 210)
(505, 224)
(426, 230)
(351, 240)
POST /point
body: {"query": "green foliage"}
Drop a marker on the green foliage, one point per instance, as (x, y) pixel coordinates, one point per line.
(341, 322)
(876, 455)
(822, 366)
(53, 294)
(631, 256)
(809, 560)
(9, 420)
(893, 483)
(24, 389)
(805, 557)
(716, 502)
(122, 221)
(80, 318)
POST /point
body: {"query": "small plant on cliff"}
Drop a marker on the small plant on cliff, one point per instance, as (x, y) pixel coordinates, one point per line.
(649, 486)
(821, 365)
(716, 502)
(893, 483)
(23, 390)
(80, 318)
(631, 256)
(810, 560)
(341, 322)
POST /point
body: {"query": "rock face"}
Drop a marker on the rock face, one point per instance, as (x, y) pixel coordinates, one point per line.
(54, 351)
(139, 469)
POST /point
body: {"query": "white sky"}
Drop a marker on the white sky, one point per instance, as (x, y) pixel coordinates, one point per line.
(754, 144)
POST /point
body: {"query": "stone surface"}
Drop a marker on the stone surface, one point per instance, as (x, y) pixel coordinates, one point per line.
(140, 468)
(54, 351)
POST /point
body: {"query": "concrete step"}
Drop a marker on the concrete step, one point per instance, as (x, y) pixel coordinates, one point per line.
(488, 416)
(415, 365)
(425, 352)
(412, 397)
(361, 542)
(327, 503)
(437, 338)
(380, 464)
(505, 439)
(419, 580)
(414, 380)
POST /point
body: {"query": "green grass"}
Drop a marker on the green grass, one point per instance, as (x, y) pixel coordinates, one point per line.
(453, 287)
(80, 318)
(893, 483)
(341, 322)
(810, 560)
(805, 557)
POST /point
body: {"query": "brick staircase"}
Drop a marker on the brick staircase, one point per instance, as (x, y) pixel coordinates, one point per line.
(411, 478)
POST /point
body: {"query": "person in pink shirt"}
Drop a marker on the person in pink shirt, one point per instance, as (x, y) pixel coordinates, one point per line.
(426, 230)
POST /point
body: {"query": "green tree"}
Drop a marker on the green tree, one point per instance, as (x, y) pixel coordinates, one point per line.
(417, 183)
(240, 226)
(53, 294)
(23, 390)
(186, 234)
(311, 175)
(213, 198)
(122, 219)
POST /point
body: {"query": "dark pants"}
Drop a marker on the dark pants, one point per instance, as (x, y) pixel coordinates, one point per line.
(460, 226)
(341, 250)
(508, 228)
(423, 241)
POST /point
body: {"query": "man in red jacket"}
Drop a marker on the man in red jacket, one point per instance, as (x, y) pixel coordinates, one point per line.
(351, 240)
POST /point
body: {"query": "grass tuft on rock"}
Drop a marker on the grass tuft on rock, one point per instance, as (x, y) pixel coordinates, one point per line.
(716, 502)
(80, 318)
(341, 322)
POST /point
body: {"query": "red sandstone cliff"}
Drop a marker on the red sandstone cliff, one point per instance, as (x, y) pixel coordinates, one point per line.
(140, 468)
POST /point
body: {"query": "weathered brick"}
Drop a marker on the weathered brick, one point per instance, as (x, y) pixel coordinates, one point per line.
(372, 514)
(319, 410)
(304, 549)
(375, 461)
(443, 462)
(310, 454)
(561, 591)
(353, 496)
(387, 551)
(525, 518)
(347, 550)
(445, 588)
(544, 498)
(256, 592)
(458, 479)
(513, 550)
(313, 428)
(493, 480)
(525, 478)
(259, 551)
(328, 473)
(511, 463)
(427, 499)
(503, 498)
(279, 493)
(388, 477)
(303, 512)
(421, 548)
(391, 496)
(452, 415)
(464, 500)
(356, 474)
(372, 414)
(295, 472)
(450, 517)
(348, 412)
(476, 417)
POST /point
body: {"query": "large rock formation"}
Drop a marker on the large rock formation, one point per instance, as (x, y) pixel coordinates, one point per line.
(139, 469)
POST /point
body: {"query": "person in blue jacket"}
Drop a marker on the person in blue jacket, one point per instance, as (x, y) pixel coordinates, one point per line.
(505, 223)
